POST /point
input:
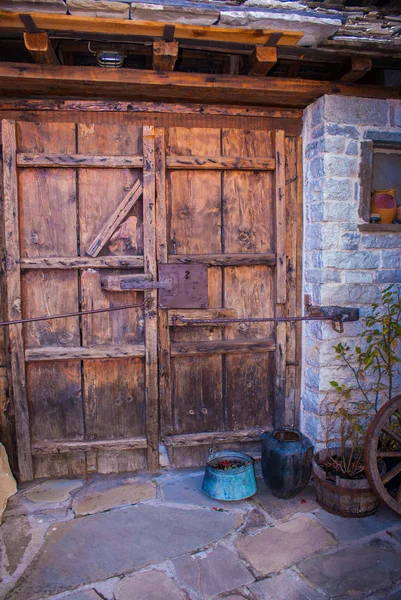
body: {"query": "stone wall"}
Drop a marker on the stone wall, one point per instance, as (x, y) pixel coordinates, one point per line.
(342, 265)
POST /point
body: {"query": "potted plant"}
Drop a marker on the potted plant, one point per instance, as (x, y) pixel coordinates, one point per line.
(339, 476)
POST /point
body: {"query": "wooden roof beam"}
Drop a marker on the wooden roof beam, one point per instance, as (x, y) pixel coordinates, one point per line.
(40, 48)
(165, 55)
(358, 67)
(261, 61)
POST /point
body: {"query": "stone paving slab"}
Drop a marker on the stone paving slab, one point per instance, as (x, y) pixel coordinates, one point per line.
(104, 495)
(358, 568)
(149, 585)
(100, 546)
(348, 531)
(188, 490)
(287, 586)
(56, 490)
(83, 595)
(279, 508)
(284, 544)
(207, 574)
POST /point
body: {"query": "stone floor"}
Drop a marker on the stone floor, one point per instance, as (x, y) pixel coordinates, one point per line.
(141, 537)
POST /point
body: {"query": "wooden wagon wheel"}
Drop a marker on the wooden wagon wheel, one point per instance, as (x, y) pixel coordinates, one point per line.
(383, 441)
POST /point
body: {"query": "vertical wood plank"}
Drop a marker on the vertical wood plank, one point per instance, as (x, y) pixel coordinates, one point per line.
(292, 299)
(281, 280)
(161, 251)
(151, 354)
(194, 226)
(281, 267)
(13, 278)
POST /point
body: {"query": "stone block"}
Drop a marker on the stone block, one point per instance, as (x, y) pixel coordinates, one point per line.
(321, 236)
(351, 260)
(316, 111)
(315, 28)
(282, 509)
(350, 294)
(152, 585)
(381, 240)
(359, 568)
(104, 495)
(391, 259)
(171, 13)
(334, 145)
(8, 485)
(311, 400)
(396, 113)
(340, 166)
(344, 131)
(98, 8)
(350, 241)
(283, 545)
(317, 167)
(352, 148)
(286, 586)
(393, 137)
(356, 111)
(388, 276)
(32, 6)
(338, 190)
(358, 276)
(318, 131)
(208, 574)
(326, 276)
(315, 148)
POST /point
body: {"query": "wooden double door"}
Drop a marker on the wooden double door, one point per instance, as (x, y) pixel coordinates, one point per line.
(86, 204)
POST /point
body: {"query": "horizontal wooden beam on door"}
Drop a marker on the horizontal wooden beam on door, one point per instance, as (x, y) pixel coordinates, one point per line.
(124, 84)
(222, 347)
(64, 447)
(81, 353)
(145, 29)
(84, 262)
(198, 313)
(223, 260)
(220, 163)
(198, 439)
(69, 161)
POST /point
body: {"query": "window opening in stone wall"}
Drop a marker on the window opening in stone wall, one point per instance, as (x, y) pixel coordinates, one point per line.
(385, 207)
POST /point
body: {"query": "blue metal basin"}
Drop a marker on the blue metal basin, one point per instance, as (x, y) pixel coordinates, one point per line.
(236, 484)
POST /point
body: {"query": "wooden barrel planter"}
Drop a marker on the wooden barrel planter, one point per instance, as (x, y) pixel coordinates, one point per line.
(343, 497)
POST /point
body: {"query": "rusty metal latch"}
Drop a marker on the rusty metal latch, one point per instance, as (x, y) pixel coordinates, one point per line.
(180, 286)
(337, 314)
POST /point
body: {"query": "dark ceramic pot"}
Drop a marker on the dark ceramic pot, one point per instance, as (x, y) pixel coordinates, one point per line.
(286, 461)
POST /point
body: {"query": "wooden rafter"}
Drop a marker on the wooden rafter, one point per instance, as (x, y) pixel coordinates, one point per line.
(358, 67)
(40, 48)
(261, 61)
(165, 55)
(130, 29)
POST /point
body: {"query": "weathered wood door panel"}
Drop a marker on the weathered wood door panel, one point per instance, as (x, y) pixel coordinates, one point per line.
(90, 201)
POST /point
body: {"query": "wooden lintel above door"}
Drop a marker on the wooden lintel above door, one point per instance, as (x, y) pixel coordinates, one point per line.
(25, 80)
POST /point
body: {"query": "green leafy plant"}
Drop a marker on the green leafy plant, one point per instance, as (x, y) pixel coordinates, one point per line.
(373, 366)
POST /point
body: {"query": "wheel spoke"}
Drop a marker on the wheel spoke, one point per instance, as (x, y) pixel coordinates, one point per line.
(398, 494)
(391, 474)
(389, 454)
(392, 435)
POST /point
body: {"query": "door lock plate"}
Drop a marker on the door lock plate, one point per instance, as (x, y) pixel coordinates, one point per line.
(189, 286)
